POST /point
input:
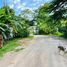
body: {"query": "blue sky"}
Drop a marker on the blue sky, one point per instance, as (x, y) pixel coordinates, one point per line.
(20, 5)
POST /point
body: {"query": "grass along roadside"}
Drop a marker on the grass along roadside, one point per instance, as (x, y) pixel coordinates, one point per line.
(9, 46)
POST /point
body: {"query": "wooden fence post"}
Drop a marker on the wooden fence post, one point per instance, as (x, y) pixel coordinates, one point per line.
(1, 41)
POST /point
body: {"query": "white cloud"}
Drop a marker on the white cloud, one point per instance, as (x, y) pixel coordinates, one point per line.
(24, 4)
(16, 1)
(20, 6)
(42, 4)
(41, 0)
(31, 8)
(11, 5)
(37, 0)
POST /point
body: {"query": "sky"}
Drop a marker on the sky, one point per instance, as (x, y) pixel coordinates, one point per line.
(20, 5)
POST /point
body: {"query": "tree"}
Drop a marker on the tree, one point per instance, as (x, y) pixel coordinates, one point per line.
(28, 15)
(21, 27)
(58, 9)
(45, 23)
(13, 26)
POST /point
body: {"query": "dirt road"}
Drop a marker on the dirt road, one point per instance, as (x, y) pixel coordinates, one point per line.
(42, 52)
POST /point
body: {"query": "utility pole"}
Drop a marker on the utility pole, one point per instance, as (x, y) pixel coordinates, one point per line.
(4, 3)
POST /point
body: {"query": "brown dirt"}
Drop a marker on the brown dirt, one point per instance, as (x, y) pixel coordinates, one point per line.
(24, 42)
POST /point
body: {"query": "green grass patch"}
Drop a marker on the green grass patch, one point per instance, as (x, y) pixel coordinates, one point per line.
(30, 37)
(58, 34)
(8, 46)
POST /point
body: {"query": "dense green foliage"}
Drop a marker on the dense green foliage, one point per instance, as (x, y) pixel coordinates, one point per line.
(12, 26)
(9, 46)
(45, 23)
(52, 17)
(59, 9)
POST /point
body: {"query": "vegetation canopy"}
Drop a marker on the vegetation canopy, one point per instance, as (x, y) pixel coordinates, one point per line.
(49, 18)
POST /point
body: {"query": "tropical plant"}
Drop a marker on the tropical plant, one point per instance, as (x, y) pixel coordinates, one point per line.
(45, 23)
(14, 26)
(58, 9)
